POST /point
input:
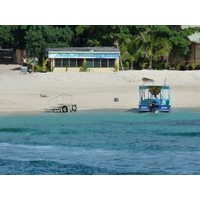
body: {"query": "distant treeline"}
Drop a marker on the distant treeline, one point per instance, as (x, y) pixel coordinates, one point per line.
(141, 46)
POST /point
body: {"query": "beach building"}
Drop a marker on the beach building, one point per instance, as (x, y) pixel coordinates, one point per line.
(98, 59)
(195, 42)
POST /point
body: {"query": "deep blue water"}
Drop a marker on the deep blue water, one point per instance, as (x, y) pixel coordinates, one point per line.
(101, 143)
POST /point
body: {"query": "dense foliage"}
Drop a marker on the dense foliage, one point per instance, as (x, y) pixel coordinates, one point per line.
(140, 45)
(148, 45)
(38, 38)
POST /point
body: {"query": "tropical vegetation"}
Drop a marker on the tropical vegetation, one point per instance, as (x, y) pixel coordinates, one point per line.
(141, 46)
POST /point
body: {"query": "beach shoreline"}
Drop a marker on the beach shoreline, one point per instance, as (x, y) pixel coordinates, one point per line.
(91, 90)
(103, 110)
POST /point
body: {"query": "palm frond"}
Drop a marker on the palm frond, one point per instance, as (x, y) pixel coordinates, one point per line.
(127, 56)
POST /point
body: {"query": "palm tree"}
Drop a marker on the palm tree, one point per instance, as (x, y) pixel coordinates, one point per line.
(129, 51)
(153, 46)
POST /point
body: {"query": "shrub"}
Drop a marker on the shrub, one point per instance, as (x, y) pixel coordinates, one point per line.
(121, 68)
(143, 65)
(167, 66)
(84, 68)
(44, 64)
(193, 66)
(187, 66)
(127, 66)
(38, 68)
(159, 64)
(178, 66)
(116, 68)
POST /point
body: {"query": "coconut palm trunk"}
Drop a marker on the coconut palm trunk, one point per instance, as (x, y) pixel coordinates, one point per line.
(131, 65)
(150, 62)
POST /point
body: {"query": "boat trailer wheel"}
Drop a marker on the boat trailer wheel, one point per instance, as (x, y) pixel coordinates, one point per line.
(74, 108)
(64, 109)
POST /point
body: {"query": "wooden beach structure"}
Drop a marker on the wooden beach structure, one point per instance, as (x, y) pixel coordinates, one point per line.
(59, 104)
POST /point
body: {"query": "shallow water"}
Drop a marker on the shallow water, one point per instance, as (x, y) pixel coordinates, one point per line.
(101, 142)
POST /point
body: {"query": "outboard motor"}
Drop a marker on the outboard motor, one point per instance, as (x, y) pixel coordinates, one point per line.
(153, 106)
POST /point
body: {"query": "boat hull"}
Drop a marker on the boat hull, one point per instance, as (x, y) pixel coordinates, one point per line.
(160, 108)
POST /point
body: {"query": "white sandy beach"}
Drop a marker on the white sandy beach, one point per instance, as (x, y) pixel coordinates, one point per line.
(91, 90)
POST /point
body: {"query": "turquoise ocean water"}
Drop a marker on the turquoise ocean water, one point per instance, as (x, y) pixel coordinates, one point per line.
(101, 142)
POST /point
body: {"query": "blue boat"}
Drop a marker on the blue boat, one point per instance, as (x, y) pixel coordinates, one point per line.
(154, 98)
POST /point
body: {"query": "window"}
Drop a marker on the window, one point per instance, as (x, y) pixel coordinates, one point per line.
(96, 62)
(104, 63)
(111, 63)
(65, 62)
(79, 62)
(72, 62)
(89, 62)
(58, 62)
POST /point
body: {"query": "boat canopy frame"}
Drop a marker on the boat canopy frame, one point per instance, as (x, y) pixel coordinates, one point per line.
(146, 97)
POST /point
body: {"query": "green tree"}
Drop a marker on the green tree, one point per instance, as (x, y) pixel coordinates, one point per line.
(13, 35)
(181, 44)
(153, 46)
(40, 37)
(37, 38)
(18, 33)
(103, 35)
(181, 47)
(130, 51)
(6, 36)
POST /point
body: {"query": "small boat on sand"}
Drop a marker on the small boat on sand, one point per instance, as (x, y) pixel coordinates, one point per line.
(154, 98)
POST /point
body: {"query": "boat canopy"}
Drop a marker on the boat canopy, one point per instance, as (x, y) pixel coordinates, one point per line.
(150, 86)
(154, 93)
